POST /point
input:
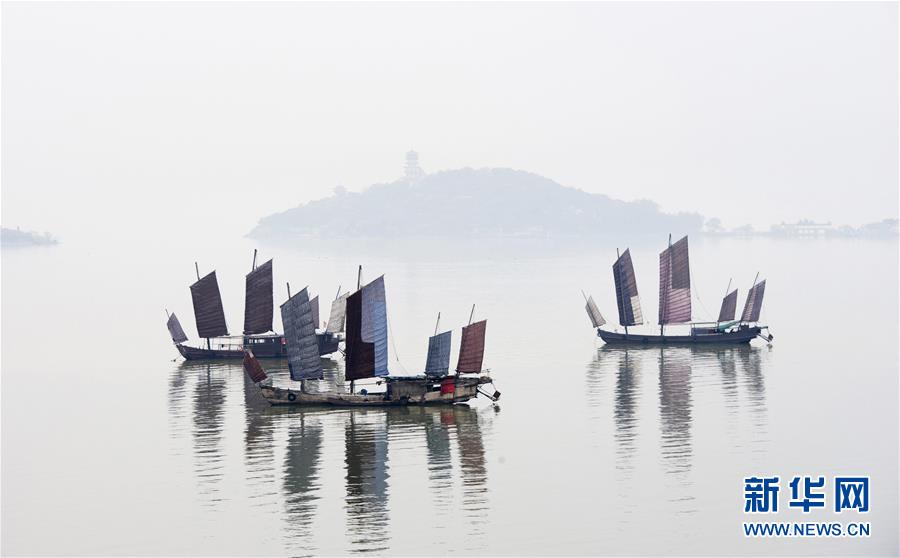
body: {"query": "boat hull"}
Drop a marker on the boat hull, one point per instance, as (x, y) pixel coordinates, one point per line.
(404, 392)
(735, 337)
(263, 347)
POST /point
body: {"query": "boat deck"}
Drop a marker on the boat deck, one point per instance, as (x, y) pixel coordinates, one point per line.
(737, 336)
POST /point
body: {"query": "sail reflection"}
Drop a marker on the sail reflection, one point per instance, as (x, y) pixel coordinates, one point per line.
(209, 414)
(681, 372)
(285, 451)
(751, 367)
(366, 444)
(301, 477)
(675, 407)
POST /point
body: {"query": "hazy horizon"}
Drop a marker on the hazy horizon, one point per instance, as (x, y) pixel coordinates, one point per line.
(139, 117)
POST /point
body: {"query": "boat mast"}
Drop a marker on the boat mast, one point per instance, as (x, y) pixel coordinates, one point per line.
(358, 285)
(665, 301)
(471, 314)
(254, 260)
(622, 284)
(197, 270)
(727, 290)
(755, 279)
(437, 323)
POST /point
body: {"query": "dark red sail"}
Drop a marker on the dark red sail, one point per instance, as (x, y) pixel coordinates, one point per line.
(359, 355)
(253, 368)
(471, 348)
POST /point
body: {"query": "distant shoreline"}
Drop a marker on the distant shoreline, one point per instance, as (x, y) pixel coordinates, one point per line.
(10, 238)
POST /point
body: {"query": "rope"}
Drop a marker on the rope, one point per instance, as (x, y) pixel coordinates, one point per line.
(697, 296)
(394, 347)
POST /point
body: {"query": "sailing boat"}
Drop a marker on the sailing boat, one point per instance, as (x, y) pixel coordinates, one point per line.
(366, 356)
(258, 328)
(675, 305)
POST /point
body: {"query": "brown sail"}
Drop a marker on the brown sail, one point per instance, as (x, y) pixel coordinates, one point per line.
(366, 353)
(258, 303)
(253, 368)
(675, 284)
(471, 348)
(729, 307)
(627, 299)
(753, 306)
(208, 311)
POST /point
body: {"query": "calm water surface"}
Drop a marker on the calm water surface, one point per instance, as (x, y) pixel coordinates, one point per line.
(113, 445)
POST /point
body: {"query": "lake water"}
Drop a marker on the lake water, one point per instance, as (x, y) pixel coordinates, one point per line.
(111, 444)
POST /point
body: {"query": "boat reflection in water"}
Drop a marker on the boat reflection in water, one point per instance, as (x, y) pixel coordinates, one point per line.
(209, 412)
(691, 382)
(302, 465)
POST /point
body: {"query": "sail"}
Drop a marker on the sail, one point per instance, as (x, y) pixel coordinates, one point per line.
(253, 368)
(258, 303)
(314, 303)
(729, 306)
(675, 284)
(627, 298)
(338, 314)
(175, 329)
(594, 312)
(438, 362)
(366, 344)
(300, 338)
(754, 302)
(208, 309)
(471, 348)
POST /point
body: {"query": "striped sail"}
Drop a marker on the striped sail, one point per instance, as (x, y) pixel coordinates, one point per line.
(753, 306)
(253, 368)
(471, 348)
(175, 330)
(675, 284)
(594, 312)
(729, 307)
(627, 299)
(338, 314)
(208, 311)
(258, 304)
(300, 338)
(314, 303)
(366, 351)
(438, 362)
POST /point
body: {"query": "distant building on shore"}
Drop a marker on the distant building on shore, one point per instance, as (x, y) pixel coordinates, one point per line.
(412, 171)
(804, 228)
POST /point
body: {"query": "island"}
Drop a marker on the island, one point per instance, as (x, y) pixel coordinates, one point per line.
(486, 202)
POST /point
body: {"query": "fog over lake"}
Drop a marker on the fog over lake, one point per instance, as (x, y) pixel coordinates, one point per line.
(118, 446)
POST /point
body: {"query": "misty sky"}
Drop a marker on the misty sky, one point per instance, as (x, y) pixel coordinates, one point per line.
(141, 116)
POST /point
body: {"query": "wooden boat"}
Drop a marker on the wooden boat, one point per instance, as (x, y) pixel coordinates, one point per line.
(258, 331)
(366, 356)
(675, 306)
